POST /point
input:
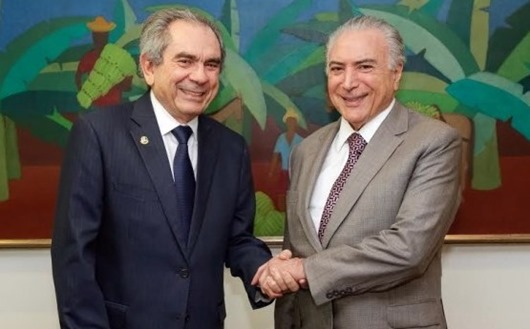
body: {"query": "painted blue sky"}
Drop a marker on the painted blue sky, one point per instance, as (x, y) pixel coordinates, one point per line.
(18, 16)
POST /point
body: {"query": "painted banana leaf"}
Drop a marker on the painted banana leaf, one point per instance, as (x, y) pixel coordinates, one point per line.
(230, 19)
(301, 81)
(505, 39)
(27, 55)
(318, 92)
(347, 9)
(56, 81)
(130, 39)
(426, 89)
(11, 146)
(479, 32)
(267, 60)
(72, 54)
(4, 176)
(458, 18)
(317, 31)
(55, 77)
(124, 18)
(289, 64)
(242, 77)
(270, 58)
(496, 97)
(225, 95)
(316, 58)
(486, 167)
(9, 159)
(517, 65)
(444, 49)
(267, 37)
(59, 119)
(491, 97)
(268, 221)
(38, 112)
(315, 109)
(432, 7)
(314, 30)
(285, 102)
(326, 22)
(444, 101)
(422, 81)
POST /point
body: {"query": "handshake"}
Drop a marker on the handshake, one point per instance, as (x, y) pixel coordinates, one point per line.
(280, 275)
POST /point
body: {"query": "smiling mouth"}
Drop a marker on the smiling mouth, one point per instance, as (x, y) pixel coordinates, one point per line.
(193, 93)
(354, 99)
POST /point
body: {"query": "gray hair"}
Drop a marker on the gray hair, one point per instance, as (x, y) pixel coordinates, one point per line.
(155, 36)
(391, 34)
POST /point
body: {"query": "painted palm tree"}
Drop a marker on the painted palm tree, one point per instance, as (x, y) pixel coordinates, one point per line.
(37, 88)
(453, 74)
(458, 65)
(36, 85)
(22, 62)
(250, 76)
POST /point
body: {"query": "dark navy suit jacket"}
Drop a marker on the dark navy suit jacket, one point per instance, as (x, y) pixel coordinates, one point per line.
(118, 259)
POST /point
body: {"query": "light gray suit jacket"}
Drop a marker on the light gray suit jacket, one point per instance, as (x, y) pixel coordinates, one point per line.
(378, 265)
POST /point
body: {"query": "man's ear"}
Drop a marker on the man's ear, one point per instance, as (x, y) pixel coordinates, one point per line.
(397, 75)
(147, 68)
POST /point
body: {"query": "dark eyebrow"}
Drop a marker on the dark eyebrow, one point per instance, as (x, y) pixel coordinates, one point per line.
(214, 60)
(335, 63)
(366, 61)
(186, 55)
(359, 62)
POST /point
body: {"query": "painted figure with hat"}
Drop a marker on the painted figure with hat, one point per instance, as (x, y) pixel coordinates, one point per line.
(280, 156)
(100, 29)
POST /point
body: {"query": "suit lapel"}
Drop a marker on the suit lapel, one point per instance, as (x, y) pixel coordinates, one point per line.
(208, 149)
(146, 134)
(315, 159)
(377, 152)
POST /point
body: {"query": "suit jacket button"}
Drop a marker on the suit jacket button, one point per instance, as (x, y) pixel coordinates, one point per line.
(184, 273)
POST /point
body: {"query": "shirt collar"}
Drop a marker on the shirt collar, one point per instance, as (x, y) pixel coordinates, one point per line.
(367, 131)
(166, 122)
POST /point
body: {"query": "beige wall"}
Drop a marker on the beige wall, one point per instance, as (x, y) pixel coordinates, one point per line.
(485, 286)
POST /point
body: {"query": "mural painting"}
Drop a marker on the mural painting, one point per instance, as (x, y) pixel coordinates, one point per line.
(468, 64)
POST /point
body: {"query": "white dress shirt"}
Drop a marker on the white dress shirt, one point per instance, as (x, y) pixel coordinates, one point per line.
(166, 123)
(336, 159)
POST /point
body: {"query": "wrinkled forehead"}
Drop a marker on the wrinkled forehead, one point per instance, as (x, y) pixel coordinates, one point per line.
(357, 45)
(185, 35)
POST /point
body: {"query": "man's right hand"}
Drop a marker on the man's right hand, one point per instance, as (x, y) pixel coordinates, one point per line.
(282, 274)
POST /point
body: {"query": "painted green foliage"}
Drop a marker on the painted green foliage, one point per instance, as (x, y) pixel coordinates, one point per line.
(462, 67)
(268, 221)
(113, 66)
(9, 160)
(456, 82)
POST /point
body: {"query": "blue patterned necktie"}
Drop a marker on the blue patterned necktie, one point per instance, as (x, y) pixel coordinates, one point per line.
(184, 178)
(356, 145)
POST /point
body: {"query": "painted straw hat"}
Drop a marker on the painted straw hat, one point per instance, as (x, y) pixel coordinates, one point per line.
(290, 113)
(100, 24)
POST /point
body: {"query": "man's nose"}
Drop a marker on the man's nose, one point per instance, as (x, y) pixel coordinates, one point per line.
(351, 79)
(198, 74)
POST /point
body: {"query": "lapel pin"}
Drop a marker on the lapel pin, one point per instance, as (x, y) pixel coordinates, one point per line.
(144, 140)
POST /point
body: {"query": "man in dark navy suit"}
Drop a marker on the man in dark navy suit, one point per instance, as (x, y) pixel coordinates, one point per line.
(128, 250)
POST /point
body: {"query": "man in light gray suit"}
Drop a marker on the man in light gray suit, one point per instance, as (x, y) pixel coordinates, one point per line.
(366, 221)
